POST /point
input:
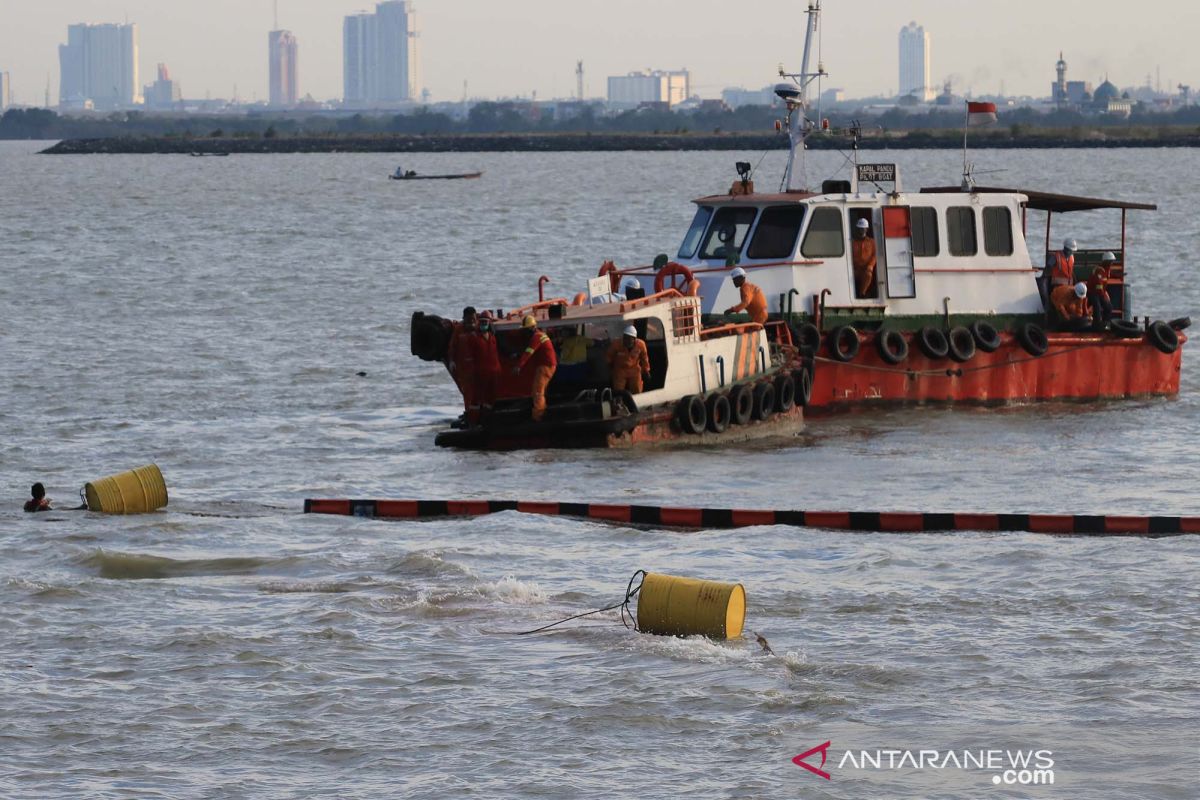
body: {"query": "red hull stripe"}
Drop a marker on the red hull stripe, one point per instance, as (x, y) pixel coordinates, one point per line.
(869, 521)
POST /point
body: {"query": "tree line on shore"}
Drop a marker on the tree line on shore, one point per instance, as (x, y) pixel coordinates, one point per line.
(489, 118)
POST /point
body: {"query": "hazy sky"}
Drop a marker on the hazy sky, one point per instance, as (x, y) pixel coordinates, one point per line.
(518, 47)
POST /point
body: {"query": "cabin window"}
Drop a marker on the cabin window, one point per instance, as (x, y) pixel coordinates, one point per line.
(685, 321)
(825, 238)
(997, 231)
(775, 236)
(924, 231)
(960, 229)
(728, 232)
(692, 240)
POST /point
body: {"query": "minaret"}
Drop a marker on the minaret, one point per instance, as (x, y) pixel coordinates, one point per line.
(1060, 86)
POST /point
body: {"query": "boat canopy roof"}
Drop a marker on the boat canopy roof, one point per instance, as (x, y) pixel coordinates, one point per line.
(1046, 201)
(754, 199)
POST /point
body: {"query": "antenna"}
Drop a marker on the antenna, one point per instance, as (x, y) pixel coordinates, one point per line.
(796, 100)
(579, 81)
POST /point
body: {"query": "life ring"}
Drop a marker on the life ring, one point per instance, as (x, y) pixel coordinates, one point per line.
(805, 335)
(986, 336)
(892, 346)
(933, 343)
(785, 393)
(579, 299)
(693, 417)
(614, 275)
(1125, 328)
(671, 270)
(718, 413)
(1033, 339)
(764, 401)
(1163, 336)
(804, 385)
(741, 404)
(843, 343)
(962, 344)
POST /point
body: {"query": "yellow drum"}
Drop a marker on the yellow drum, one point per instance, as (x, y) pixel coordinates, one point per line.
(134, 492)
(671, 606)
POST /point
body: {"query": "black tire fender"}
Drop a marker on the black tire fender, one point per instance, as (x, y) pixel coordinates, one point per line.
(719, 413)
(933, 342)
(741, 404)
(693, 417)
(764, 400)
(891, 346)
(785, 393)
(1163, 336)
(962, 344)
(843, 343)
(1125, 328)
(986, 336)
(806, 335)
(1033, 339)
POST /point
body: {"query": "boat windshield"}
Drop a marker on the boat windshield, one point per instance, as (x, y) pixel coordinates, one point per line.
(692, 240)
(728, 232)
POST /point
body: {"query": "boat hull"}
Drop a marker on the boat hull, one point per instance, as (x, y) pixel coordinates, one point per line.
(645, 428)
(1075, 367)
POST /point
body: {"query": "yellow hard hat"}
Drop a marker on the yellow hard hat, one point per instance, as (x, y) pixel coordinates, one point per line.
(529, 321)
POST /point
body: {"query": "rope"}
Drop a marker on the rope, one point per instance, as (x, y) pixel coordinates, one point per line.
(630, 593)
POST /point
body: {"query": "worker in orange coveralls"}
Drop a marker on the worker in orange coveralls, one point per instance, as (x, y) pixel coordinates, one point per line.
(628, 361)
(1070, 302)
(862, 255)
(486, 364)
(459, 358)
(539, 352)
(754, 302)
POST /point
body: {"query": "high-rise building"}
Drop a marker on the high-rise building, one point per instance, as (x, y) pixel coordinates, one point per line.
(99, 67)
(164, 93)
(379, 56)
(660, 86)
(281, 48)
(5, 91)
(914, 63)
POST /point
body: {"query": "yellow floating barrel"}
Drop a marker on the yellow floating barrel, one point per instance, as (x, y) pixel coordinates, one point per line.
(671, 606)
(134, 492)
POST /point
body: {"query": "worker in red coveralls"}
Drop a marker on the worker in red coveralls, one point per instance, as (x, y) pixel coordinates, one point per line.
(1070, 303)
(486, 358)
(1097, 286)
(862, 256)
(459, 357)
(538, 354)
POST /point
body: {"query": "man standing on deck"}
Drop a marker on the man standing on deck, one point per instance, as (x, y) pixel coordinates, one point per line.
(540, 353)
(628, 361)
(754, 302)
(1097, 286)
(459, 358)
(862, 254)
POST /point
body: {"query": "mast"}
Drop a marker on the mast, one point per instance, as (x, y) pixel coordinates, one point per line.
(796, 97)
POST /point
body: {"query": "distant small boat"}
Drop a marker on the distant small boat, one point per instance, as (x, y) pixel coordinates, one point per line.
(412, 176)
(201, 155)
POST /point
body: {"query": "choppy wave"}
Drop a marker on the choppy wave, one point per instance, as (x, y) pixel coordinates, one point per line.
(141, 566)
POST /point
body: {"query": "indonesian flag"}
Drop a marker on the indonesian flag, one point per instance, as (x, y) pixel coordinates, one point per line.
(980, 113)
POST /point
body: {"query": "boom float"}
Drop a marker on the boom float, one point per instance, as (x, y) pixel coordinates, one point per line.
(866, 521)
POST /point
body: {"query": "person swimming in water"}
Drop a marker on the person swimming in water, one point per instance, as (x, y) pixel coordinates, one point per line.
(39, 501)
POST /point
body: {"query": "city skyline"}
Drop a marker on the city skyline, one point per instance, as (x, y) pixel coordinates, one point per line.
(216, 45)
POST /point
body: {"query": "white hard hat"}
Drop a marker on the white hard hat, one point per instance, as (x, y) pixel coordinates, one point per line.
(1107, 258)
(635, 283)
(631, 331)
(738, 272)
(1069, 244)
(1081, 289)
(862, 223)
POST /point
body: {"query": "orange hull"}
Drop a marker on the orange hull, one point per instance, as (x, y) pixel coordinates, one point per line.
(1076, 367)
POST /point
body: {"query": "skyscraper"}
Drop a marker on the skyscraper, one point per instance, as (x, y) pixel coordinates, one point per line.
(99, 66)
(5, 91)
(914, 62)
(379, 56)
(281, 47)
